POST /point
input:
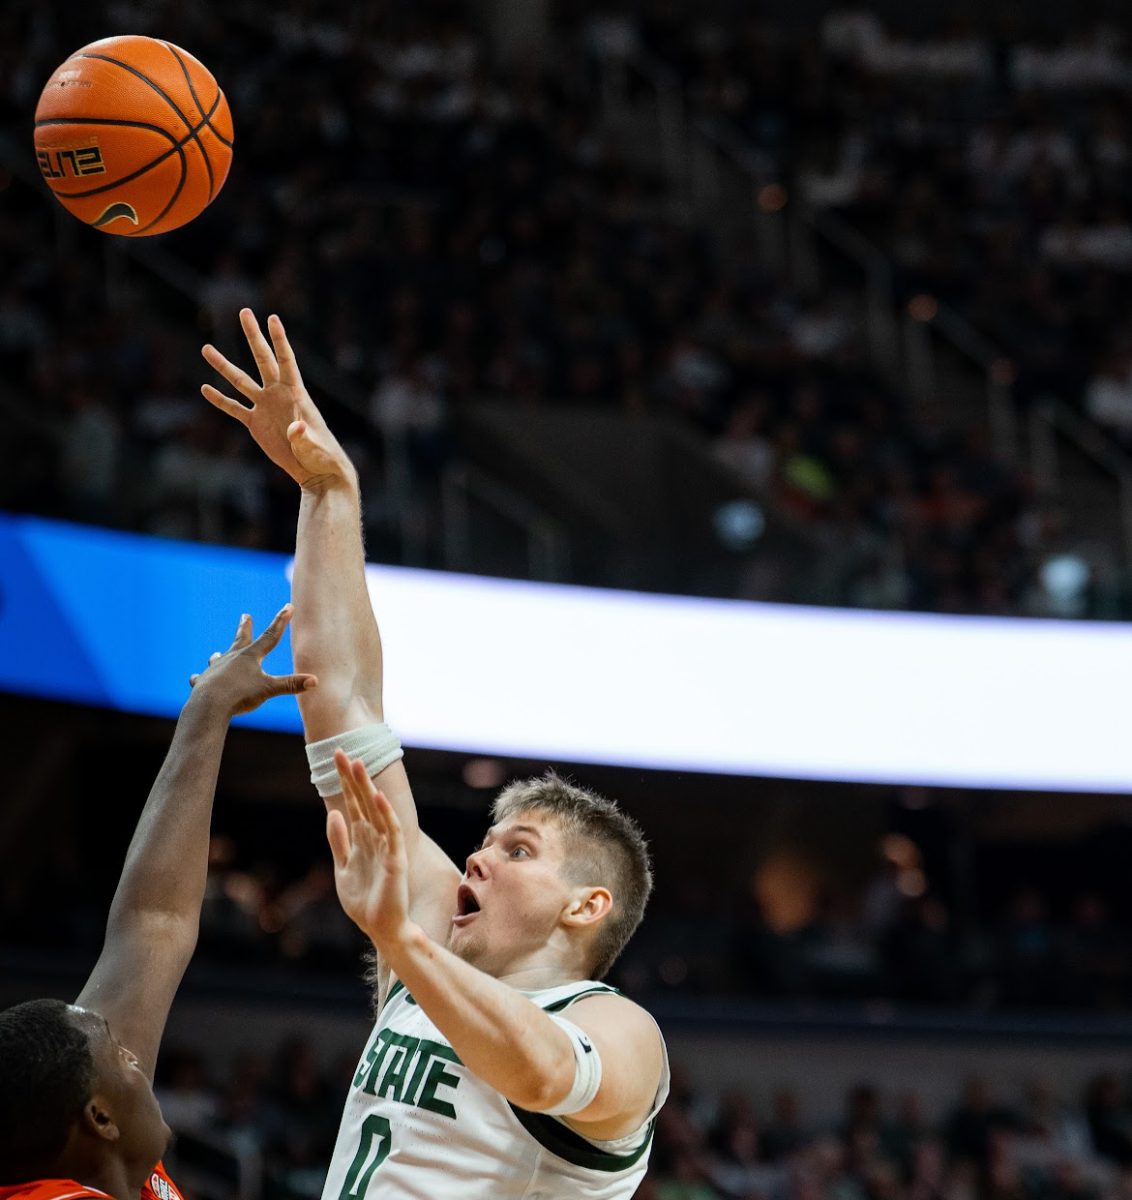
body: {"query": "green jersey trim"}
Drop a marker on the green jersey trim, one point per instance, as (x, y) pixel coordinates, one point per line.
(597, 990)
(395, 987)
(559, 1139)
(555, 1005)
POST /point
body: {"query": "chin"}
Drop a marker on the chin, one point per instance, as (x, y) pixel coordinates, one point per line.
(467, 949)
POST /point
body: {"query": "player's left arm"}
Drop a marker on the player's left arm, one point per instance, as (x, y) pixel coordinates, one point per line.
(154, 918)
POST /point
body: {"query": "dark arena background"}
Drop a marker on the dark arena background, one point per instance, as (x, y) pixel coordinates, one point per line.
(728, 309)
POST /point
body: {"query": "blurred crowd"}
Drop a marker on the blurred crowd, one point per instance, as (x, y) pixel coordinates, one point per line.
(988, 156)
(897, 939)
(984, 1147)
(916, 952)
(437, 227)
(756, 1142)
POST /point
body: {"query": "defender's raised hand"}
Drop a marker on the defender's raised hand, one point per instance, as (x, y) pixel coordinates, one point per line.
(236, 679)
(282, 417)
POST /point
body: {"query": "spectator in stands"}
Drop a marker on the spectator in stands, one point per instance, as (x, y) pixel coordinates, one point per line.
(1109, 1118)
(1029, 952)
(973, 1124)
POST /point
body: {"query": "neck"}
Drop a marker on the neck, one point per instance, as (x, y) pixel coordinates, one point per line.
(532, 977)
(105, 1176)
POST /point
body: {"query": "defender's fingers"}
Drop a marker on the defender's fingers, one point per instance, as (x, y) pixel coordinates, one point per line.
(284, 685)
(236, 376)
(288, 365)
(339, 838)
(269, 639)
(261, 351)
(243, 633)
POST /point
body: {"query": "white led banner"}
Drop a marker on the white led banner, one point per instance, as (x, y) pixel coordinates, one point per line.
(753, 689)
(568, 674)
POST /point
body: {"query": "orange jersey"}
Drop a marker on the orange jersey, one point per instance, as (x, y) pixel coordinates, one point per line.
(157, 1187)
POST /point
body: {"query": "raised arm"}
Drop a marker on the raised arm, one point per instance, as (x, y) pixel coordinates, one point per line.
(155, 915)
(335, 633)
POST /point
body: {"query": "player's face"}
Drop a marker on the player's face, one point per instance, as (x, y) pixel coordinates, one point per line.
(513, 896)
(124, 1088)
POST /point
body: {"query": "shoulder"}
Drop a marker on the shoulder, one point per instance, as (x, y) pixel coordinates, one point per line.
(51, 1189)
(625, 1034)
(612, 1011)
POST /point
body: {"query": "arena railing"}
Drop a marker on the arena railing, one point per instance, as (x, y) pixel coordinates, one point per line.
(716, 173)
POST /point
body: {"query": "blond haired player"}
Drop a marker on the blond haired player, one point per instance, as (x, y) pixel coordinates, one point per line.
(499, 1064)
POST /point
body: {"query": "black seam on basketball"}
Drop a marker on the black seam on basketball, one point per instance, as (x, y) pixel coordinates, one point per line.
(106, 187)
(229, 142)
(207, 116)
(145, 79)
(172, 199)
(200, 112)
(194, 132)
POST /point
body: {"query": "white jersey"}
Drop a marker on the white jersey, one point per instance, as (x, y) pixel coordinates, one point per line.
(419, 1125)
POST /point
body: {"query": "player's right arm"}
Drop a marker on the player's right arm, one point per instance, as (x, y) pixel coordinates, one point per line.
(335, 627)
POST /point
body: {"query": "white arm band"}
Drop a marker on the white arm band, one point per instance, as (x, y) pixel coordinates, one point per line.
(587, 1071)
(376, 745)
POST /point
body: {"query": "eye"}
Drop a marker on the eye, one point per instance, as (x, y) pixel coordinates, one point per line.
(520, 850)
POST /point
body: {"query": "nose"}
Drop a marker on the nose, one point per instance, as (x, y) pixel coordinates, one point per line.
(475, 865)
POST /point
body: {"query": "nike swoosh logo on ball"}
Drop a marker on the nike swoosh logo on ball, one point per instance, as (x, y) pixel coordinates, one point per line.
(113, 212)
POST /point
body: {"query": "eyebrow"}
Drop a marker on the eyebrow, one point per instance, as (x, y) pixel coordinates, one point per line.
(530, 830)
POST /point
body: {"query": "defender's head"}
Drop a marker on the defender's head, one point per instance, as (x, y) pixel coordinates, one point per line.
(561, 867)
(78, 1101)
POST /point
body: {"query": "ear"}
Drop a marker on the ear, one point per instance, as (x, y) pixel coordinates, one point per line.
(98, 1121)
(587, 907)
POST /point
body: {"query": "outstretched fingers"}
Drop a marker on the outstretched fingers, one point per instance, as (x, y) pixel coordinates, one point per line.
(354, 813)
(288, 685)
(284, 355)
(269, 639)
(261, 351)
(379, 812)
(338, 835)
(243, 633)
(236, 376)
(228, 406)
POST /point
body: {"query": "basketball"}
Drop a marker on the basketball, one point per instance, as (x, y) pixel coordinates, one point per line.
(133, 136)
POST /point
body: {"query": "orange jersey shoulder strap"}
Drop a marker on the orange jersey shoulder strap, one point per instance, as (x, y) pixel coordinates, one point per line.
(51, 1189)
(159, 1186)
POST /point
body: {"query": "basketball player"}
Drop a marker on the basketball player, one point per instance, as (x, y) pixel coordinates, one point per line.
(78, 1116)
(499, 1064)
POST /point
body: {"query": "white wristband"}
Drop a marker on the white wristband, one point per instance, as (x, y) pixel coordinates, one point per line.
(587, 1071)
(376, 745)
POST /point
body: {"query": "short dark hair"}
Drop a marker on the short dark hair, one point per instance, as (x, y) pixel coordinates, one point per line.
(47, 1069)
(604, 846)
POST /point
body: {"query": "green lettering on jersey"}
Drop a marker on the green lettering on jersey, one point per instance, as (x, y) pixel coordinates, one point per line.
(439, 1077)
(408, 1070)
(367, 1074)
(393, 1081)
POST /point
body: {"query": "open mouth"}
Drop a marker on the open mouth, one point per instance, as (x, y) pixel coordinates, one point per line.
(467, 906)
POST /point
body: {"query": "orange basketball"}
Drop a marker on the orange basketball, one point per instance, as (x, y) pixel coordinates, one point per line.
(133, 135)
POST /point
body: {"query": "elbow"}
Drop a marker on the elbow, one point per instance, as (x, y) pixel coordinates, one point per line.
(543, 1088)
(174, 933)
